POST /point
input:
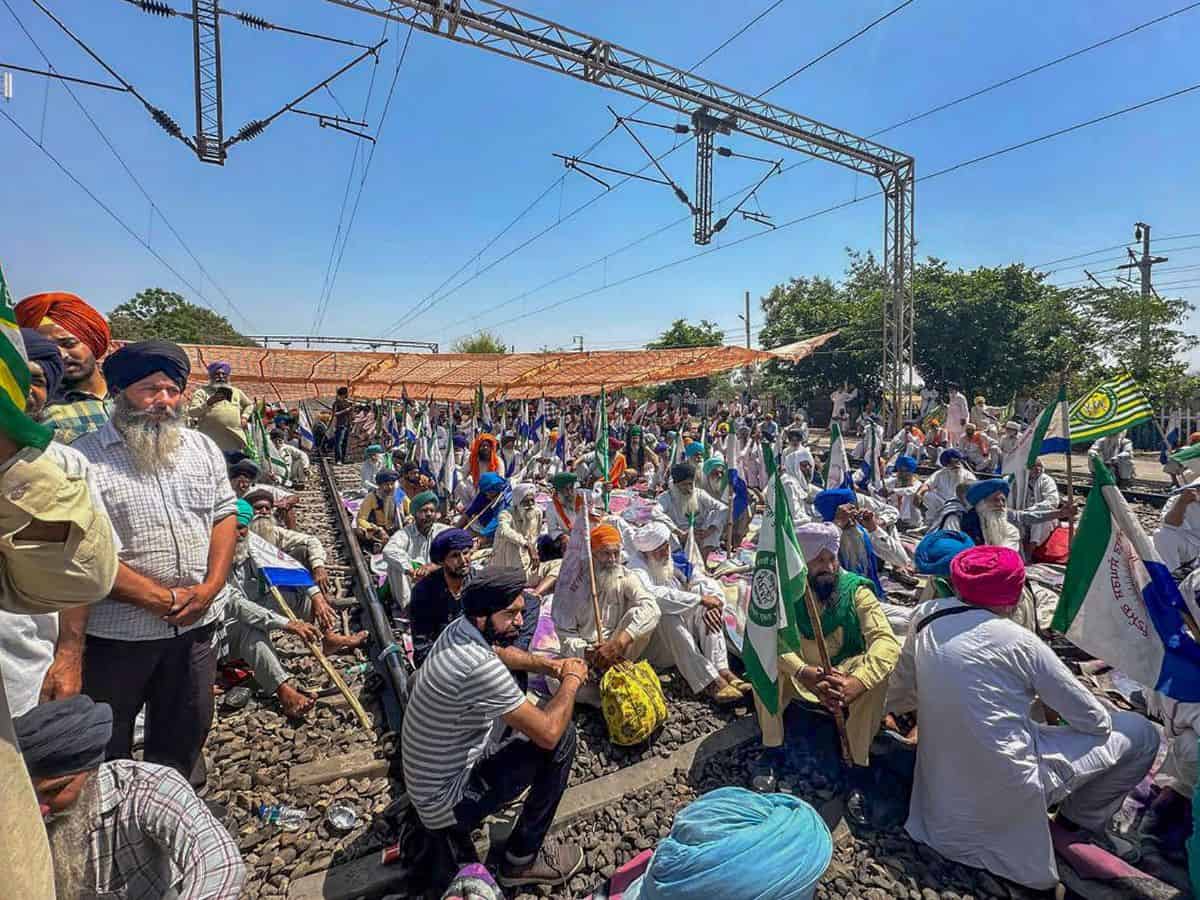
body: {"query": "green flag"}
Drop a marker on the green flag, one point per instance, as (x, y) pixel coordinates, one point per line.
(14, 380)
(1110, 407)
(776, 591)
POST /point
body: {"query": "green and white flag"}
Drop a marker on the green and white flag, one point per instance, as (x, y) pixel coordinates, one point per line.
(602, 437)
(1119, 602)
(1189, 454)
(1111, 406)
(837, 467)
(260, 448)
(776, 591)
(14, 380)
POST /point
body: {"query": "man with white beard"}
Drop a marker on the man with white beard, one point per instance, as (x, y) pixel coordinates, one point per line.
(691, 633)
(684, 504)
(517, 530)
(150, 641)
(121, 828)
(942, 485)
(628, 614)
(296, 459)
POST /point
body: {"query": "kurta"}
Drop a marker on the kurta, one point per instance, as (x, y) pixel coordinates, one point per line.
(1179, 544)
(509, 547)
(957, 413)
(986, 771)
(903, 497)
(872, 667)
(405, 551)
(941, 490)
(709, 511)
(223, 420)
(629, 608)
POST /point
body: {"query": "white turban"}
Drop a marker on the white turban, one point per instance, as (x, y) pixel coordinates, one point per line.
(651, 537)
(817, 536)
(802, 454)
(521, 491)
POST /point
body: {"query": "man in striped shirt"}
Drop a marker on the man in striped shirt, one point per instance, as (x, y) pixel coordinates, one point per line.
(462, 748)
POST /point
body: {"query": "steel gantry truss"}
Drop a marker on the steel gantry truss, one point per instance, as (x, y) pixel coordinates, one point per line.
(541, 42)
(206, 49)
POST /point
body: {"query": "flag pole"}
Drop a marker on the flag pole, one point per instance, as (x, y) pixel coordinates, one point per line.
(1064, 411)
(587, 543)
(839, 715)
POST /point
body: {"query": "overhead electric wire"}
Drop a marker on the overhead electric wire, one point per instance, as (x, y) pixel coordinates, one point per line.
(155, 208)
(851, 202)
(366, 171)
(58, 76)
(417, 310)
(116, 218)
(654, 161)
(1169, 237)
(939, 108)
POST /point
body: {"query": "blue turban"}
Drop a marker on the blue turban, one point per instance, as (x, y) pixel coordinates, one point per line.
(660, 447)
(245, 512)
(933, 554)
(828, 501)
(906, 464)
(460, 441)
(948, 455)
(133, 362)
(490, 483)
(693, 448)
(981, 490)
(220, 366)
(45, 353)
(735, 844)
(446, 542)
(385, 476)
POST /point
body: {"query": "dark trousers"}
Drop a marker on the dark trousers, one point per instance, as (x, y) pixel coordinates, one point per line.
(341, 439)
(499, 779)
(173, 678)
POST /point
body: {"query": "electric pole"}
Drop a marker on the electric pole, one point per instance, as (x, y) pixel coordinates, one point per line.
(746, 319)
(578, 339)
(1141, 232)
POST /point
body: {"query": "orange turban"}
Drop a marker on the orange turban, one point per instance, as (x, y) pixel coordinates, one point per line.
(605, 536)
(473, 456)
(71, 314)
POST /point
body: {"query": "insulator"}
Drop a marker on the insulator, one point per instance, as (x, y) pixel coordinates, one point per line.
(165, 122)
(251, 130)
(155, 8)
(252, 21)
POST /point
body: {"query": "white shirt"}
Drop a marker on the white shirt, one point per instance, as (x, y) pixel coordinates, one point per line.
(979, 795)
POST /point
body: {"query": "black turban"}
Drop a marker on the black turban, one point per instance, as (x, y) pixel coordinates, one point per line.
(243, 467)
(492, 590)
(446, 542)
(134, 362)
(45, 353)
(683, 472)
(64, 737)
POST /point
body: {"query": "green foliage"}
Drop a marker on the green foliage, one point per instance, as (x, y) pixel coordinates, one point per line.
(482, 342)
(683, 333)
(155, 313)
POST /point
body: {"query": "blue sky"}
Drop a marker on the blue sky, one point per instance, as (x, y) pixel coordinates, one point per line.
(468, 140)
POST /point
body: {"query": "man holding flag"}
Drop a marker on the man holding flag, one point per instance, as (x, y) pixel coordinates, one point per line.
(781, 649)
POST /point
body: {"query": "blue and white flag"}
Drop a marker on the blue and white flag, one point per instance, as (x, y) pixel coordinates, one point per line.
(560, 446)
(738, 491)
(1171, 443)
(304, 426)
(277, 568)
(539, 422)
(1119, 602)
(837, 466)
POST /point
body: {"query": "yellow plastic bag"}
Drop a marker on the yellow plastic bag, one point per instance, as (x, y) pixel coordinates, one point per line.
(632, 700)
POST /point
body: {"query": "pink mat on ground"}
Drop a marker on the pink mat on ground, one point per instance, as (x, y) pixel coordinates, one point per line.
(615, 887)
(1088, 860)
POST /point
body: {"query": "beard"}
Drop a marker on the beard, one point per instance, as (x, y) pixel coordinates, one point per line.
(265, 528)
(526, 521)
(70, 837)
(662, 572)
(824, 587)
(687, 504)
(152, 443)
(608, 578)
(997, 530)
(241, 551)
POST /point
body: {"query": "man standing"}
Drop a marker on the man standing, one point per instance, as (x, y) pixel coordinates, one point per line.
(407, 552)
(173, 510)
(343, 413)
(82, 334)
(957, 415)
(628, 614)
(691, 633)
(220, 410)
(862, 648)
(986, 770)
(461, 761)
(122, 828)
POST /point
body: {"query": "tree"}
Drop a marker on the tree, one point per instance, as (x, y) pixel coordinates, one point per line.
(156, 313)
(683, 333)
(482, 342)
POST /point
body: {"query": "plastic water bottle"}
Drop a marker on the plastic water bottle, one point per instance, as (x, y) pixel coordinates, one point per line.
(289, 818)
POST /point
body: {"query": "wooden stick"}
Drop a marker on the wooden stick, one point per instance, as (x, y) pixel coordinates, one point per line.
(335, 676)
(839, 716)
(587, 543)
(1066, 427)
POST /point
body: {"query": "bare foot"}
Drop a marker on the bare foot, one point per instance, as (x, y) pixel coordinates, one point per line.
(335, 642)
(295, 704)
(734, 682)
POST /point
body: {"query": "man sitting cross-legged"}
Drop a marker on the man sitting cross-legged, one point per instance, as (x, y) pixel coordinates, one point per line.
(461, 755)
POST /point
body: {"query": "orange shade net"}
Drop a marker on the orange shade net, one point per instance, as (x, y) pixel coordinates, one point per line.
(289, 375)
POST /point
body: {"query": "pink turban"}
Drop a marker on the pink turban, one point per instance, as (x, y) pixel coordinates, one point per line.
(988, 576)
(817, 536)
